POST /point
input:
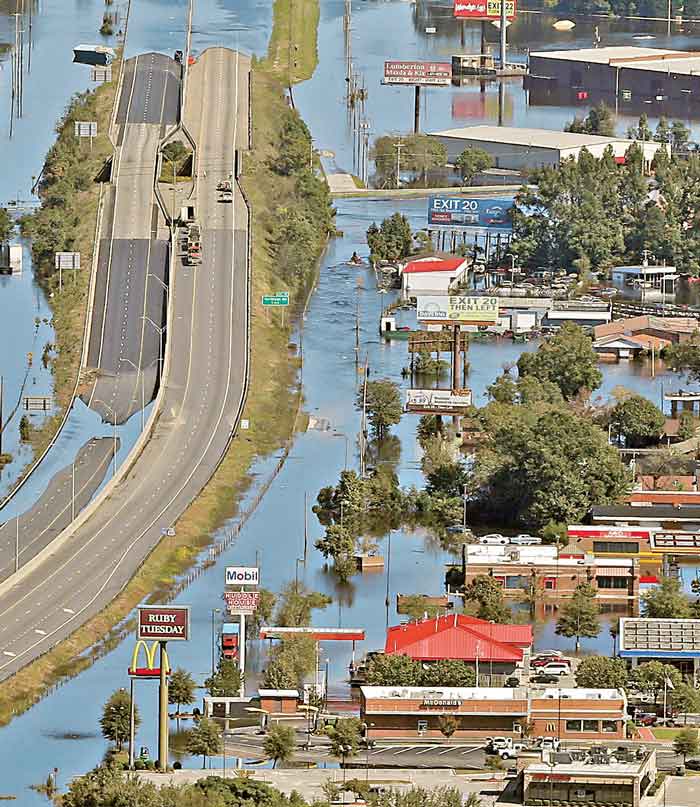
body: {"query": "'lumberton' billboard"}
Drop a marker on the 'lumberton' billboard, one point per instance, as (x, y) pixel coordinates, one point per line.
(483, 9)
(166, 624)
(418, 73)
(437, 400)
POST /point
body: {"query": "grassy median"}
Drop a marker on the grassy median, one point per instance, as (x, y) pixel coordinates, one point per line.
(274, 399)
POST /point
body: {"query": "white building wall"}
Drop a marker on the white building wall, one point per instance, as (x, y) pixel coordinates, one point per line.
(414, 283)
(505, 155)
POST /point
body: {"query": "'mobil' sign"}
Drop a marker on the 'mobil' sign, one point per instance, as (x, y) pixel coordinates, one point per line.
(166, 624)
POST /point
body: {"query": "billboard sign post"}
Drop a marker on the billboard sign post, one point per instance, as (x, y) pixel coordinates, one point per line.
(418, 73)
(458, 310)
(483, 9)
(460, 211)
(438, 401)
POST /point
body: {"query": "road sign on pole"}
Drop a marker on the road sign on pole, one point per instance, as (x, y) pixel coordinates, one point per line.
(279, 298)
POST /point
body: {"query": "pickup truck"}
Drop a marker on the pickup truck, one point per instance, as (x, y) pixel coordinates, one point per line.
(504, 747)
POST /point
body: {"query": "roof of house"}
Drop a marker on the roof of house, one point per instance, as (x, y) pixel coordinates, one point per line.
(629, 325)
(433, 265)
(638, 341)
(457, 636)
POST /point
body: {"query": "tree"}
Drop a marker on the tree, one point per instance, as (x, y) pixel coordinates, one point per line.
(448, 725)
(419, 154)
(294, 149)
(488, 594)
(392, 240)
(638, 421)
(339, 543)
(279, 744)
(579, 617)
(544, 464)
(567, 359)
(666, 601)
(181, 688)
(686, 700)
(686, 743)
(394, 670)
(684, 357)
(383, 405)
(204, 740)
(599, 121)
(345, 737)
(472, 161)
(448, 479)
(652, 676)
(602, 672)
(226, 681)
(116, 715)
(642, 131)
(448, 673)
(6, 225)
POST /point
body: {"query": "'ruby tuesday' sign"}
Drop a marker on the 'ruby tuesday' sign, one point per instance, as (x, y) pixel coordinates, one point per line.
(165, 624)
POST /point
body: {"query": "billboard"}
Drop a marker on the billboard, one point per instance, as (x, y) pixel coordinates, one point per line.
(607, 532)
(458, 211)
(242, 575)
(483, 9)
(245, 601)
(164, 623)
(437, 400)
(455, 308)
(439, 73)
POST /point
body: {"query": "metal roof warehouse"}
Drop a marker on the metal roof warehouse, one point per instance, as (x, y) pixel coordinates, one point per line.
(518, 148)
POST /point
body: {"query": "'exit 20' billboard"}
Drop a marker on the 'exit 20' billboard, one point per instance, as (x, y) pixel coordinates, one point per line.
(458, 211)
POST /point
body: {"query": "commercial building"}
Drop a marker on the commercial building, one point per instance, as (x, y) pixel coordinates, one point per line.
(569, 714)
(671, 641)
(498, 648)
(659, 516)
(624, 73)
(580, 313)
(524, 149)
(575, 778)
(672, 330)
(551, 574)
(432, 275)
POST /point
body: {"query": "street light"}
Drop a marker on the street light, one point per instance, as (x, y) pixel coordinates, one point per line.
(114, 431)
(143, 396)
(160, 331)
(296, 574)
(213, 612)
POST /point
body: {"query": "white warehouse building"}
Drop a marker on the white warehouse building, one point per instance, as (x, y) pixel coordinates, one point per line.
(519, 149)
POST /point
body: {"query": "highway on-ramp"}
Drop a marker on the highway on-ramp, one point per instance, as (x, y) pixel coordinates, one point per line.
(202, 395)
(130, 299)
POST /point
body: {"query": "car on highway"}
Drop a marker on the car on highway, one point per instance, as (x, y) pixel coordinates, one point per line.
(693, 764)
(492, 539)
(525, 540)
(544, 678)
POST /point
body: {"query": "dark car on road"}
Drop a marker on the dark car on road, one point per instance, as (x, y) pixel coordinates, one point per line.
(544, 678)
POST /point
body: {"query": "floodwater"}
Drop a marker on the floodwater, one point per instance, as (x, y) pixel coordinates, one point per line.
(62, 730)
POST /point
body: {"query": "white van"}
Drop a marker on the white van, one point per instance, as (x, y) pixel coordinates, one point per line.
(555, 668)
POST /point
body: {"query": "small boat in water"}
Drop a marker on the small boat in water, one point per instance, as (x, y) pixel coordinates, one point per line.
(98, 55)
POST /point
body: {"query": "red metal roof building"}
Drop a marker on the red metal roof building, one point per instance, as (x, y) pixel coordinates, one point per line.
(461, 637)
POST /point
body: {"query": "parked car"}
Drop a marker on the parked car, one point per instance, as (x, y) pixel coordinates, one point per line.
(557, 668)
(646, 719)
(504, 747)
(492, 539)
(544, 678)
(548, 744)
(692, 764)
(541, 661)
(512, 681)
(525, 540)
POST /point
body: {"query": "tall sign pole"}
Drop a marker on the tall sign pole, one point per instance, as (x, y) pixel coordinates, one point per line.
(163, 711)
(504, 26)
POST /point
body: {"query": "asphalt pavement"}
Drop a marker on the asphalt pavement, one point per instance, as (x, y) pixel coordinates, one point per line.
(125, 348)
(201, 404)
(67, 493)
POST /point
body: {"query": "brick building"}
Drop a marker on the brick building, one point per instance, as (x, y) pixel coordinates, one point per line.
(569, 714)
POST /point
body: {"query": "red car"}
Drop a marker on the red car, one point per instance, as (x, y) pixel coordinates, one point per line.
(540, 661)
(646, 720)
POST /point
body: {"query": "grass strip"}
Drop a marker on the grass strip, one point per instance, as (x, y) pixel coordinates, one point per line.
(273, 401)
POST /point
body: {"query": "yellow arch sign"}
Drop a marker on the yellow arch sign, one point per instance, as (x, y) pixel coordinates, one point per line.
(150, 670)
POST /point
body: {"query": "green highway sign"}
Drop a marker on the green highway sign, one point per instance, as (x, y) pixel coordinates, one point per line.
(279, 298)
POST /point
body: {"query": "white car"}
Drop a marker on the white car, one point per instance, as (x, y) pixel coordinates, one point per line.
(555, 668)
(493, 539)
(525, 540)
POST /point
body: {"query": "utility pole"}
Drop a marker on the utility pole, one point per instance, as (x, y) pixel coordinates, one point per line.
(504, 25)
(399, 146)
(2, 425)
(17, 544)
(306, 528)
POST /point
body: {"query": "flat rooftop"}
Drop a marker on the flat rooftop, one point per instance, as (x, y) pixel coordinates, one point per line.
(486, 693)
(630, 57)
(660, 636)
(538, 138)
(576, 769)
